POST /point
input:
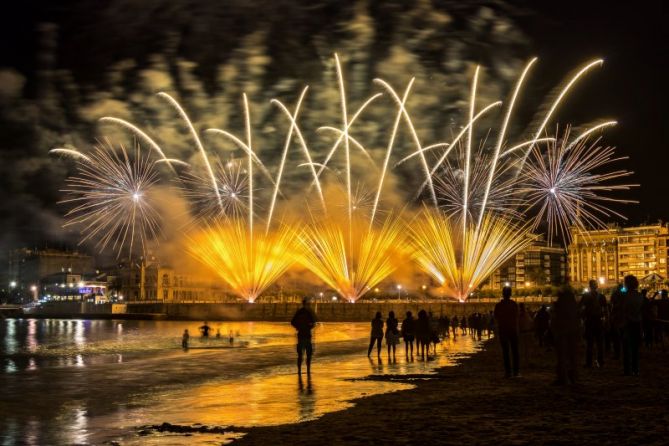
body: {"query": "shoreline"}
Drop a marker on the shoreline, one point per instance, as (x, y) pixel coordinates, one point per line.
(472, 403)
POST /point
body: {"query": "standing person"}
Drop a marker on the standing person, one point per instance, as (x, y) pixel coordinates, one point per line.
(648, 318)
(661, 324)
(617, 319)
(204, 329)
(566, 331)
(463, 325)
(392, 333)
(632, 304)
(506, 318)
(423, 335)
(593, 306)
(491, 324)
(304, 321)
(408, 333)
(184, 339)
(376, 335)
(541, 323)
(525, 327)
(455, 322)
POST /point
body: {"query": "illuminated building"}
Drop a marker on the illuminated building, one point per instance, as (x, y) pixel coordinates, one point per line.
(156, 282)
(536, 266)
(608, 255)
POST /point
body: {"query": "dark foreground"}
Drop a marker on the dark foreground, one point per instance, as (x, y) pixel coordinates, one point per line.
(474, 404)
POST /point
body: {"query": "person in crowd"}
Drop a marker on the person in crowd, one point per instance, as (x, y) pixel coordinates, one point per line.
(376, 335)
(617, 319)
(455, 322)
(478, 323)
(506, 319)
(184, 339)
(564, 324)
(648, 316)
(392, 333)
(423, 335)
(447, 326)
(491, 324)
(541, 324)
(408, 333)
(304, 321)
(434, 331)
(593, 306)
(662, 320)
(632, 308)
(525, 327)
(204, 329)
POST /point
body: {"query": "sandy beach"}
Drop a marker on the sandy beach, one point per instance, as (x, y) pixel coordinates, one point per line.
(473, 404)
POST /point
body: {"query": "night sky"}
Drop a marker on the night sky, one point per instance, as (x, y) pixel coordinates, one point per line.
(631, 87)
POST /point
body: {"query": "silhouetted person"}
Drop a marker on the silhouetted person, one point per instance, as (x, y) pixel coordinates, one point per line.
(204, 329)
(525, 328)
(662, 328)
(463, 325)
(455, 323)
(218, 333)
(506, 318)
(422, 334)
(408, 333)
(392, 333)
(617, 319)
(632, 304)
(304, 321)
(541, 324)
(433, 324)
(376, 335)
(648, 317)
(231, 338)
(565, 327)
(491, 324)
(593, 307)
(184, 339)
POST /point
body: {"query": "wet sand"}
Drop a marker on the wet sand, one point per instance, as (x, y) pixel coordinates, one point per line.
(473, 404)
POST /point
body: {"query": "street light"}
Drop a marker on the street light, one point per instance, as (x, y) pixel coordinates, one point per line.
(602, 280)
(12, 284)
(399, 291)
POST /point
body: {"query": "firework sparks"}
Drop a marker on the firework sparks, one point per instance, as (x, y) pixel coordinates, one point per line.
(483, 192)
(112, 195)
(353, 271)
(502, 198)
(248, 263)
(232, 182)
(563, 187)
(460, 263)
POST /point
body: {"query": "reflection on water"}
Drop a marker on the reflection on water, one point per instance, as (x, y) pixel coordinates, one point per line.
(83, 382)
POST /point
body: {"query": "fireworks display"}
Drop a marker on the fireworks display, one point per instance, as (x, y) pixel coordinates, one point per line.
(460, 263)
(563, 184)
(352, 260)
(112, 198)
(475, 194)
(248, 262)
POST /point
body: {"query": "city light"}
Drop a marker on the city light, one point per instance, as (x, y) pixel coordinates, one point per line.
(602, 280)
(12, 284)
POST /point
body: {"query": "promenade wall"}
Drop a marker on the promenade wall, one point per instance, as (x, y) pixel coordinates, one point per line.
(326, 312)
